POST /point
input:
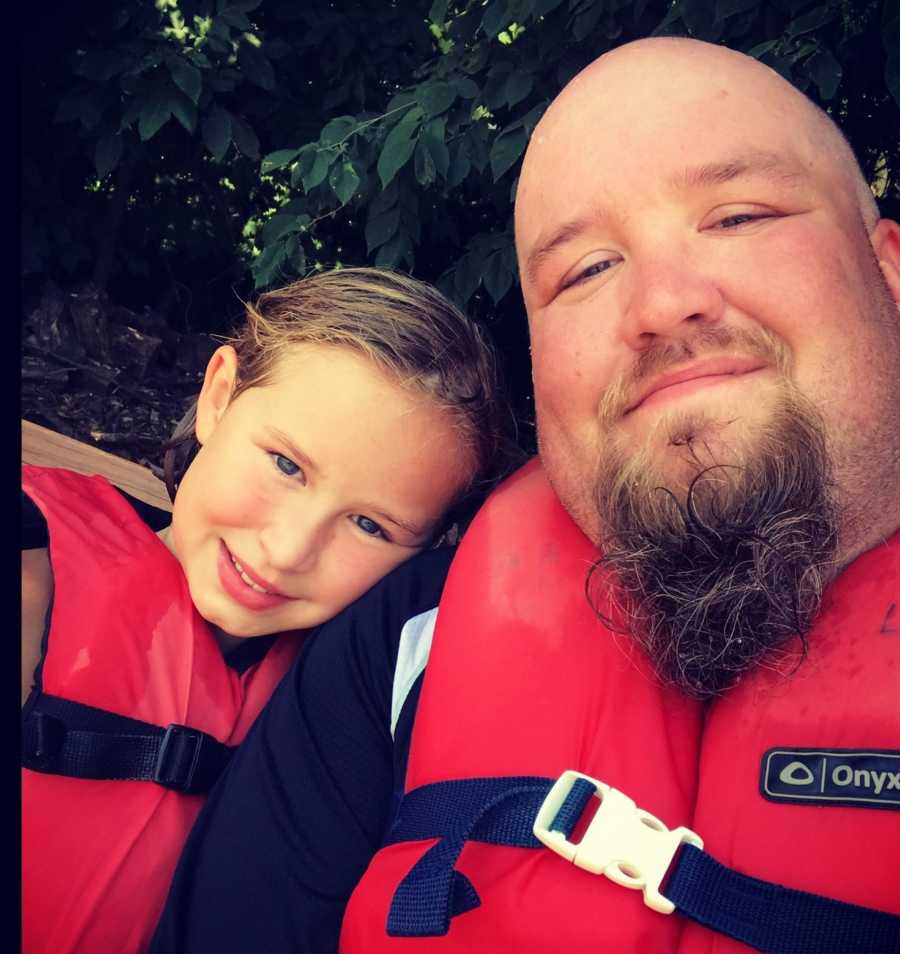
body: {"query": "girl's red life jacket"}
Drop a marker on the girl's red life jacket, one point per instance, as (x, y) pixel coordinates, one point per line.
(524, 680)
(124, 636)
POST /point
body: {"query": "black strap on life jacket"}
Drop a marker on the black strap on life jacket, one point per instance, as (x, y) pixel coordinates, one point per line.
(62, 737)
(502, 811)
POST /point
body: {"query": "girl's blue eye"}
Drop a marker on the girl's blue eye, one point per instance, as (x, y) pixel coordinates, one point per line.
(368, 526)
(285, 465)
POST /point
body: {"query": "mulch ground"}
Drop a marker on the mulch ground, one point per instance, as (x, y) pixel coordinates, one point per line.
(108, 376)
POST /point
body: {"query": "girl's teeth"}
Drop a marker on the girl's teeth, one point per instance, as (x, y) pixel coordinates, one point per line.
(246, 578)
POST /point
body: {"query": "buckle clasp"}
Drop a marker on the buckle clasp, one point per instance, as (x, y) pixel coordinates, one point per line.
(628, 845)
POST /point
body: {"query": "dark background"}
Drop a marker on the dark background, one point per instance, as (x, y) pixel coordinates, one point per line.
(178, 156)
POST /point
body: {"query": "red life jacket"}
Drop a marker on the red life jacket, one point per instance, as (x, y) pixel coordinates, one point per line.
(124, 636)
(524, 680)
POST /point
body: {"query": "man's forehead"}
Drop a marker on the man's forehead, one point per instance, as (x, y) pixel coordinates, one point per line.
(694, 126)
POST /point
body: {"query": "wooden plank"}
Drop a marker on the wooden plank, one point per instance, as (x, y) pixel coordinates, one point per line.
(46, 448)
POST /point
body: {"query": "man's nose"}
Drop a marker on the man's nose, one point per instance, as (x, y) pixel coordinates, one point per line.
(669, 295)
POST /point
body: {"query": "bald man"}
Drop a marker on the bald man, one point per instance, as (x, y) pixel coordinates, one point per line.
(667, 653)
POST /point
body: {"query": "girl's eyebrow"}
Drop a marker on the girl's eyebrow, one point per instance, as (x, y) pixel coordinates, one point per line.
(296, 454)
(402, 524)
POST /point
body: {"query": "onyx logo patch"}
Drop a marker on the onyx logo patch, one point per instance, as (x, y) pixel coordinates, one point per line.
(864, 778)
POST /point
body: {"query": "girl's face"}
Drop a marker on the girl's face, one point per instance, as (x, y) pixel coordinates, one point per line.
(309, 489)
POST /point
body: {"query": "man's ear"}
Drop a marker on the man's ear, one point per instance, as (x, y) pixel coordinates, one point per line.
(215, 396)
(886, 242)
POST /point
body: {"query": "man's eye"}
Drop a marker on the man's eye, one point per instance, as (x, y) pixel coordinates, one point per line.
(732, 221)
(597, 268)
(368, 526)
(285, 465)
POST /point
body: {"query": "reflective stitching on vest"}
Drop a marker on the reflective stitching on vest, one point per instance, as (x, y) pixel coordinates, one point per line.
(860, 778)
(412, 654)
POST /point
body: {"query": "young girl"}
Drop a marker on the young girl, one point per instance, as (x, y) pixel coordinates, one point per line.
(339, 435)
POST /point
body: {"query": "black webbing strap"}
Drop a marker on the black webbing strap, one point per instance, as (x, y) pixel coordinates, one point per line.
(61, 737)
(502, 811)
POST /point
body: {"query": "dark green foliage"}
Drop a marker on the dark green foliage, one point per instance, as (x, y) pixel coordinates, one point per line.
(180, 152)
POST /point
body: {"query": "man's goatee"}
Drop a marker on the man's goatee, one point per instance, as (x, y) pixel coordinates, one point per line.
(720, 577)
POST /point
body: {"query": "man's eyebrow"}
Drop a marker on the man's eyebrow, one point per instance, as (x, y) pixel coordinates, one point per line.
(565, 233)
(758, 164)
(297, 455)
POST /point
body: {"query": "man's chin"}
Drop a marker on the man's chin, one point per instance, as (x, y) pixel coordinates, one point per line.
(681, 445)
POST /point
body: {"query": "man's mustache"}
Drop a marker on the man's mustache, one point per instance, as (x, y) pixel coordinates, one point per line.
(707, 342)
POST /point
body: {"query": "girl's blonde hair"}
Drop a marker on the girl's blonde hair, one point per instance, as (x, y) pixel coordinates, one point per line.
(405, 327)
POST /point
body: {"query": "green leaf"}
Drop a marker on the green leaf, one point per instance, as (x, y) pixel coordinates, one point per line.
(728, 8)
(278, 159)
(436, 98)
(825, 71)
(344, 180)
(391, 253)
(496, 18)
(543, 7)
(437, 150)
(497, 277)
(295, 254)
(237, 20)
(398, 147)
(494, 92)
(256, 66)
(424, 165)
(476, 146)
(244, 138)
(460, 166)
(107, 154)
(306, 159)
(517, 86)
(585, 21)
(155, 113)
(384, 200)
(337, 130)
(219, 37)
(466, 278)
(279, 226)
(892, 75)
(761, 49)
(438, 11)
(465, 87)
(380, 228)
(186, 77)
(699, 16)
(810, 21)
(319, 169)
(267, 265)
(216, 132)
(184, 111)
(505, 152)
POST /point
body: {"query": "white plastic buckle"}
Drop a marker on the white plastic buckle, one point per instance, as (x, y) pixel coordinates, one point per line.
(623, 842)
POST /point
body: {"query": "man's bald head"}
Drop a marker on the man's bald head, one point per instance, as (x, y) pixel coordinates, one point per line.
(618, 85)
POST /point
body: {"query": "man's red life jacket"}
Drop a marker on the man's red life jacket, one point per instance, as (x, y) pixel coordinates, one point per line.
(524, 680)
(125, 637)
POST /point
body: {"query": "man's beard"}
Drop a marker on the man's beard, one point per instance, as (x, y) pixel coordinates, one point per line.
(717, 572)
